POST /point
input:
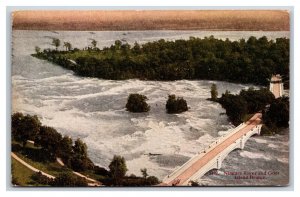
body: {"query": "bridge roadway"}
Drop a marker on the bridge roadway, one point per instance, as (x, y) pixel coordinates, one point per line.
(182, 175)
(212, 157)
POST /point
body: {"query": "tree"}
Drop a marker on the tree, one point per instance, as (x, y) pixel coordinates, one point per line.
(79, 160)
(152, 180)
(56, 43)
(214, 92)
(49, 139)
(117, 169)
(176, 105)
(194, 183)
(235, 106)
(257, 99)
(24, 127)
(277, 115)
(37, 49)
(118, 44)
(41, 179)
(94, 43)
(69, 180)
(80, 148)
(65, 148)
(80, 164)
(144, 173)
(136, 48)
(137, 103)
(68, 46)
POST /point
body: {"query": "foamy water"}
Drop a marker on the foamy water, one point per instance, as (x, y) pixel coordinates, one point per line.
(94, 109)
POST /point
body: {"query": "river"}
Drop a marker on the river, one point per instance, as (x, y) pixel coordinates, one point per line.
(94, 110)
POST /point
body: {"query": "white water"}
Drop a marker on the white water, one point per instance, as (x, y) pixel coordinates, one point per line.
(94, 109)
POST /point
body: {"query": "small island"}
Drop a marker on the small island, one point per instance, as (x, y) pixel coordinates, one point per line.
(137, 103)
(240, 107)
(243, 61)
(176, 105)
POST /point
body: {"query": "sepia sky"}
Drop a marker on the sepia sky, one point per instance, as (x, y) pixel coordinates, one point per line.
(265, 20)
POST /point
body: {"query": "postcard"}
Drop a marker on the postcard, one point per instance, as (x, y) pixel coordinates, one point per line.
(150, 98)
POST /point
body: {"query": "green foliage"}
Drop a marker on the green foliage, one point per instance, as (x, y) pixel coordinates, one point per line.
(94, 43)
(65, 149)
(49, 139)
(176, 105)
(266, 130)
(137, 103)
(277, 115)
(140, 182)
(194, 183)
(152, 180)
(24, 127)
(236, 107)
(247, 102)
(257, 99)
(56, 43)
(21, 175)
(68, 46)
(252, 61)
(117, 169)
(37, 49)
(41, 179)
(69, 180)
(80, 148)
(214, 92)
(101, 171)
(79, 160)
(144, 173)
(51, 143)
(80, 164)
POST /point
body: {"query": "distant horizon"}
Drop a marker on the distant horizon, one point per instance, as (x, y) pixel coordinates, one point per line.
(132, 20)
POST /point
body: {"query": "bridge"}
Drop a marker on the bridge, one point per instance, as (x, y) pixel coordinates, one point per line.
(213, 156)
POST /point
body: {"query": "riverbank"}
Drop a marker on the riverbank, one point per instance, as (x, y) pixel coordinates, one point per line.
(71, 104)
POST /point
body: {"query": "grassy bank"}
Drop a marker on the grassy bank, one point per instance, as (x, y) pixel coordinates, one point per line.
(21, 175)
(52, 168)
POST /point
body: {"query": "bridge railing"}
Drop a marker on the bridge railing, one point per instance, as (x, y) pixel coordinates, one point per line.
(203, 152)
(213, 163)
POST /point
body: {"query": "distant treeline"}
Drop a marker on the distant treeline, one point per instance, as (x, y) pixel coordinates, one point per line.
(244, 61)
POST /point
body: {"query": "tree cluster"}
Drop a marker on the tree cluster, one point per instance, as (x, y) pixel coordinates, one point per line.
(69, 180)
(52, 143)
(62, 180)
(276, 116)
(137, 103)
(24, 127)
(213, 92)
(244, 61)
(176, 105)
(246, 102)
(118, 176)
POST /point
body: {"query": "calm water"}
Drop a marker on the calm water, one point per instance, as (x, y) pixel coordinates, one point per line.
(94, 109)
